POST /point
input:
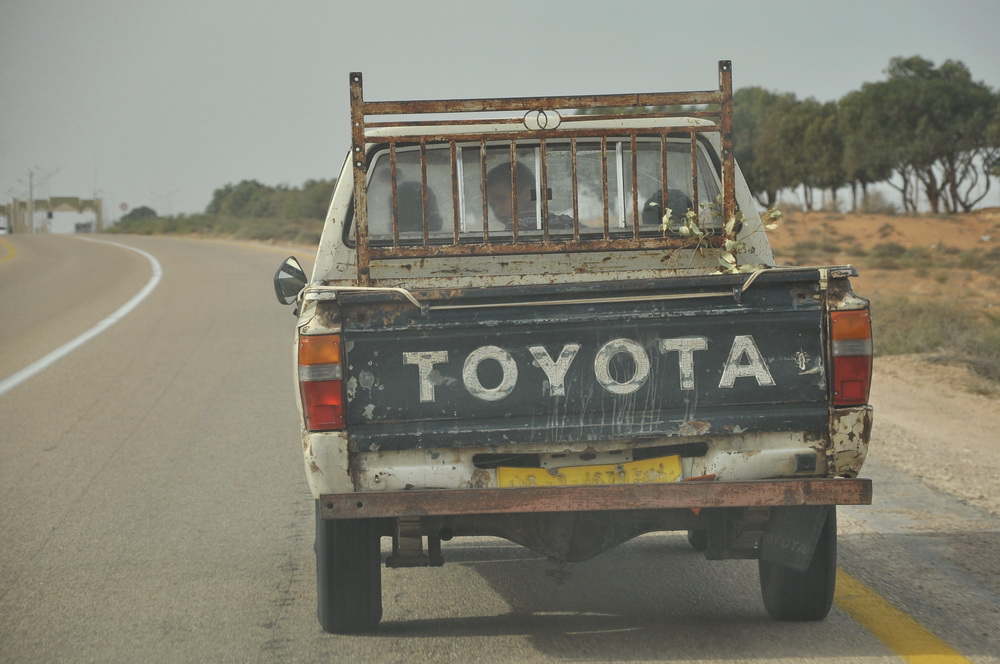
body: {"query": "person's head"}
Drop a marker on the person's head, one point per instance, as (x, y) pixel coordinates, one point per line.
(410, 210)
(499, 189)
(654, 210)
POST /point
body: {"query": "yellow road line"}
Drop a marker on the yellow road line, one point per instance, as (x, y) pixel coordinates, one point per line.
(908, 638)
(7, 255)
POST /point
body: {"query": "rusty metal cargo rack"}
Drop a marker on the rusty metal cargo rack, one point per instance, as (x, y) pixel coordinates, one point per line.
(539, 120)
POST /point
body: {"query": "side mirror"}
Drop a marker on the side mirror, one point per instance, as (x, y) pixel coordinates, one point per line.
(289, 280)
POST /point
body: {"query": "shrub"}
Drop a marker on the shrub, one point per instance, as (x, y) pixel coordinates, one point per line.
(888, 250)
(886, 256)
(885, 230)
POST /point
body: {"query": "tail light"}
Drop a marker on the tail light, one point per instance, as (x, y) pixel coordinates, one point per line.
(321, 382)
(851, 350)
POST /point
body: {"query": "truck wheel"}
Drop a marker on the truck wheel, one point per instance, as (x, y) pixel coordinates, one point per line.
(348, 574)
(698, 539)
(793, 595)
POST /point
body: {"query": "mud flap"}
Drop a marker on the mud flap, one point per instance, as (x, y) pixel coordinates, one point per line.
(791, 535)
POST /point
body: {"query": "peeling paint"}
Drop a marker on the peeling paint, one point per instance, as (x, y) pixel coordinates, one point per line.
(481, 479)
(366, 379)
(850, 431)
(694, 428)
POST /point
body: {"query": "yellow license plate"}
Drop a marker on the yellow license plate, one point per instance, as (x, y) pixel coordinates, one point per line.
(647, 471)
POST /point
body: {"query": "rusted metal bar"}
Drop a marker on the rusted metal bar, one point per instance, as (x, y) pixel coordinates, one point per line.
(514, 210)
(604, 185)
(543, 190)
(441, 502)
(451, 122)
(726, 136)
(424, 215)
(566, 119)
(664, 189)
(694, 174)
(576, 189)
(712, 114)
(358, 159)
(526, 247)
(393, 183)
(456, 205)
(482, 184)
(538, 103)
(502, 136)
(635, 185)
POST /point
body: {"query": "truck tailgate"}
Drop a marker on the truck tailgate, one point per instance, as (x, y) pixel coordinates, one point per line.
(680, 356)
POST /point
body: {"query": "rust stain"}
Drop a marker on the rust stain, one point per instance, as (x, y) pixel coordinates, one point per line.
(694, 428)
(480, 479)
(850, 431)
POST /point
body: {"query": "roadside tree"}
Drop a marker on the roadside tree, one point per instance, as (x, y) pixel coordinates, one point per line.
(758, 116)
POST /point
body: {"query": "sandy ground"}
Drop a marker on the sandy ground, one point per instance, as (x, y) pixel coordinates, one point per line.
(930, 419)
(928, 423)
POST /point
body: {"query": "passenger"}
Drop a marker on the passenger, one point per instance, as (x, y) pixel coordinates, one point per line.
(498, 194)
(410, 210)
(677, 201)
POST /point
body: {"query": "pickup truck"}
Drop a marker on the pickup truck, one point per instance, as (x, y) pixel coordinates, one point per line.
(558, 321)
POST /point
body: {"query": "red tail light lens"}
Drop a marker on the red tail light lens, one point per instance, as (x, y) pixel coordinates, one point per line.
(851, 349)
(321, 382)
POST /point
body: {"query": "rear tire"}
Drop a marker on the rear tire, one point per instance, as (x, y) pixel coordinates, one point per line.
(698, 539)
(348, 574)
(793, 595)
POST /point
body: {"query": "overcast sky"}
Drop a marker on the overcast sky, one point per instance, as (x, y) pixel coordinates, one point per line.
(161, 103)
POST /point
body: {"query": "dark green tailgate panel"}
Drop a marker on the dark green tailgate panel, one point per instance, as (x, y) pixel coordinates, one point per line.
(552, 364)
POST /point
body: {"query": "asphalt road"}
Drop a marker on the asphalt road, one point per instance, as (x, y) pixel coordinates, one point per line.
(153, 508)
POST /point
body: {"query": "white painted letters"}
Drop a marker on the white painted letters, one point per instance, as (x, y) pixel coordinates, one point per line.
(555, 371)
(744, 361)
(602, 362)
(744, 346)
(470, 373)
(425, 364)
(685, 347)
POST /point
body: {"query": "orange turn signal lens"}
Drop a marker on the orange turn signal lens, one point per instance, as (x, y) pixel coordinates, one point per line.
(850, 325)
(320, 349)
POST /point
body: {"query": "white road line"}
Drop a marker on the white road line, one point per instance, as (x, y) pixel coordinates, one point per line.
(24, 374)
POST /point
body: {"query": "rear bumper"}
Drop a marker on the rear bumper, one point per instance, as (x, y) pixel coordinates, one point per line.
(450, 502)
